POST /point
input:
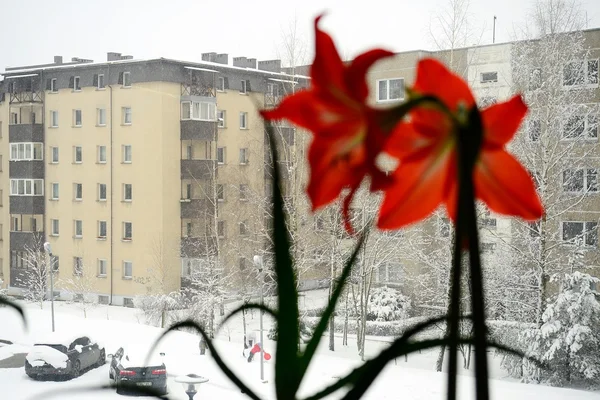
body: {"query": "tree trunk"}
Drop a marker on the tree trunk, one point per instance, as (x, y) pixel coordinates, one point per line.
(202, 346)
(440, 359)
(163, 317)
(345, 331)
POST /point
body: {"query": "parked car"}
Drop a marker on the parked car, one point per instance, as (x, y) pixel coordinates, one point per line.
(129, 371)
(64, 356)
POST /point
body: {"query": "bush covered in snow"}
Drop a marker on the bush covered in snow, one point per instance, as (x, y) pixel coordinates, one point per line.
(387, 304)
(305, 331)
(568, 342)
(156, 307)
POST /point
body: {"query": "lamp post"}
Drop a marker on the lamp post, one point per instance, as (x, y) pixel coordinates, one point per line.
(189, 382)
(258, 262)
(48, 250)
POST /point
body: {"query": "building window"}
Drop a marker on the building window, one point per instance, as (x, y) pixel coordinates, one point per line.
(54, 155)
(221, 155)
(199, 110)
(127, 269)
(26, 187)
(101, 114)
(390, 89)
(244, 156)
(221, 118)
(188, 191)
(127, 192)
(77, 266)
(77, 118)
(55, 191)
(188, 229)
(243, 120)
(580, 180)
(102, 192)
(444, 227)
(488, 77)
(534, 130)
(101, 150)
(101, 267)
(244, 228)
(126, 79)
(243, 192)
(127, 230)
(77, 155)
(220, 84)
(580, 73)
(78, 229)
(100, 81)
(53, 85)
(78, 191)
(585, 233)
(26, 151)
(53, 119)
(126, 111)
(101, 229)
(77, 84)
(103, 299)
(581, 127)
(126, 150)
(220, 192)
(243, 87)
(54, 226)
(128, 301)
(221, 231)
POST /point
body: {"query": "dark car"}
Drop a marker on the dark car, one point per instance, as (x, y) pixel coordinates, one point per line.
(129, 371)
(63, 357)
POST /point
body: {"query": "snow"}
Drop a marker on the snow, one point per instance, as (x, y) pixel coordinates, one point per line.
(138, 357)
(413, 378)
(40, 355)
(10, 350)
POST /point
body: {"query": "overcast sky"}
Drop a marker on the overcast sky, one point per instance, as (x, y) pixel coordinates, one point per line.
(33, 31)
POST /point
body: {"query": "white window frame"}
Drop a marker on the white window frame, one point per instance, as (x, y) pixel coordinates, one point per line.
(75, 186)
(224, 155)
(588, 125)
(102, 267)
(78, 223)
(127, 115)
(125, 238)
(220, 84)
(587, 81)
(25, 151)
(124, 151)
(57, 186)
(221, 119)
(53, 86)
(78, 266)
(586, 172)
(490, 78)
(75, 160)
(125, 264)
(54, 227)
(126, 79)
(220, 192)
(27, 187)
(99, 233)
(244, 156)
(584, 233)
(199, 111)
(243, 120)
(53, 119)
(77, 84)
(244, 189)
(101, 117)
(100, 192)
(54, 160)
(387, 88)
(75, 111)
(130, 199)
(101, 84)
(243, 88)
(101, 150)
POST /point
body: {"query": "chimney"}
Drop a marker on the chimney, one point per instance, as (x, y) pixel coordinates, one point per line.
(244, 62)
(222, 59)
(127, 58)
(110, 56)
(251, 63)
(210, 57)
(57, 59)
(270, 65)
(81, 60)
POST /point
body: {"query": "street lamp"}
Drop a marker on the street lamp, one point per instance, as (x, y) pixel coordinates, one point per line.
(48, 250)
(258, 262)
(189, 382)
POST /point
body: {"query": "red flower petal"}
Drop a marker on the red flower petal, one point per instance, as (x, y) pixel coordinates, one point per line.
(501, 121)
(505, 186)
(356, 73)
(327, 69)
(433, 78)
(425, 130)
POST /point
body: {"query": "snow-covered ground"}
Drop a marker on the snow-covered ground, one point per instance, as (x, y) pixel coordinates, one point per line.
(116, 326)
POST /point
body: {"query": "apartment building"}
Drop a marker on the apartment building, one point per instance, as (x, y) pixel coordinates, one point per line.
(133, 170)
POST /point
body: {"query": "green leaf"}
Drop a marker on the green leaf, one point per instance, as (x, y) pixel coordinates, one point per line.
(16, 307)
(249, 306)
(322, 325)
(287, 365)
(215, 355)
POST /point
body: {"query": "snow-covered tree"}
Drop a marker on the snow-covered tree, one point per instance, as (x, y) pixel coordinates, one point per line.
(387, 304)
(36, 279)
(568, 341)
(81, 286)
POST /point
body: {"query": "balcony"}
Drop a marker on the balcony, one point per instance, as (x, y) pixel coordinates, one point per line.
(26, 133)
(198, 247)
(198, 130)
(197, 208)
(20, 240)
(19, 277)
(32, 169)
(198, 169)
(27, 204)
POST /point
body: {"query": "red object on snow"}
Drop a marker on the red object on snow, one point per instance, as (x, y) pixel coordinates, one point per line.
(256, 349)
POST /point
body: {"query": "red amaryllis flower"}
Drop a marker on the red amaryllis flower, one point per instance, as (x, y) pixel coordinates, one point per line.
(347, 137)
(426, 147)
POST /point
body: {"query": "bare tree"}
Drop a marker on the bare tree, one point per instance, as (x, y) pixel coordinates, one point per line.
(81, 286)
(36, 277)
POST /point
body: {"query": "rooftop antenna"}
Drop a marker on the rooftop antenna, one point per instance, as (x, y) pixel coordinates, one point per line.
(494, 32)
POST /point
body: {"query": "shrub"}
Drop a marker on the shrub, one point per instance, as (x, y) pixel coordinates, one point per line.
(387, 304)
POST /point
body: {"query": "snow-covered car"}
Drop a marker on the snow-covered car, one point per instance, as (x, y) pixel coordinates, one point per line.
(130, 371)
(63, 355)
